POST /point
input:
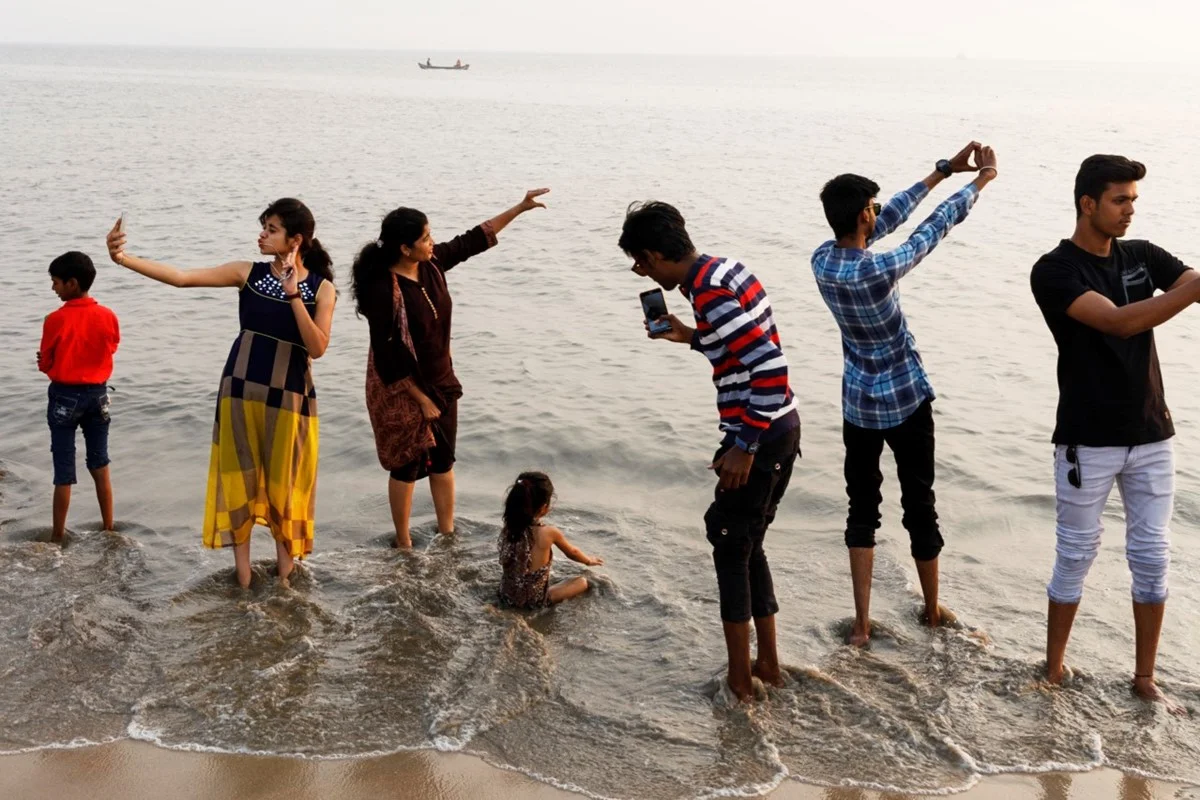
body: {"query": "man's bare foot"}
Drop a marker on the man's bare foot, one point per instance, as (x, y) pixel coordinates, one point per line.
(770, 675)
(743, 692)
(403, 544)
(1055, 674)
(1145, 688)
(941, 616)
(860, 635)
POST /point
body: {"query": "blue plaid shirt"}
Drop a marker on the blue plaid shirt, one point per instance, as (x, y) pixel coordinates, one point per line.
(883, 380)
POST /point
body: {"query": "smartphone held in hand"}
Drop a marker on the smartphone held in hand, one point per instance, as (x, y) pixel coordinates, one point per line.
(654, 307)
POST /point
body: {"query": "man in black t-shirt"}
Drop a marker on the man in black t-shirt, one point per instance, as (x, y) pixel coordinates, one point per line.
(1097, 293)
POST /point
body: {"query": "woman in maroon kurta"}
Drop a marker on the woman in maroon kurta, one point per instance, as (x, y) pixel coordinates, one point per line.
(399, 285)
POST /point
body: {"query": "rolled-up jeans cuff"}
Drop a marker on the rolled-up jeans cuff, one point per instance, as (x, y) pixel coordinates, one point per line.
(1062, 601)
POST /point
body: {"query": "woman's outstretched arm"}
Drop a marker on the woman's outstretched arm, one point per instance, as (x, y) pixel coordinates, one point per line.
(233, 273)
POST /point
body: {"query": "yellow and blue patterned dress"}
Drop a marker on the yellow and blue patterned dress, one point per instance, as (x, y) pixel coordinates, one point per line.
(264, 452)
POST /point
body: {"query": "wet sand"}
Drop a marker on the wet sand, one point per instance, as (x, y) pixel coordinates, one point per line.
(136, 770)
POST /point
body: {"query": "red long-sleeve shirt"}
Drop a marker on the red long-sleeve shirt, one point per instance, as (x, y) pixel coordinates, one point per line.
(78, 342)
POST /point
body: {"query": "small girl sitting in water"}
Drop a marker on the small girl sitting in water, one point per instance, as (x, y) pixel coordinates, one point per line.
(525, 547)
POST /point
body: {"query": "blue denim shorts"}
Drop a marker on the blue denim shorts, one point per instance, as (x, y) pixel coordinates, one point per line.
(77, 406)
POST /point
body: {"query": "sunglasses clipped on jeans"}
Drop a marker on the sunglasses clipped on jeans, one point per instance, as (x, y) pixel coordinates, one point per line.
(1075, 476)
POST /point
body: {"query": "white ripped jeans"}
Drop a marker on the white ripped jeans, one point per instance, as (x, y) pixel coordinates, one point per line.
(1145, 476)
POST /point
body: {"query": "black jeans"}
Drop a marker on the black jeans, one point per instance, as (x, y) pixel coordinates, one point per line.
(736, 524)
(912, 444)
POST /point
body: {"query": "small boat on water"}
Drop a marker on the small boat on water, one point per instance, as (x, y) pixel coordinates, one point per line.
(427, 65)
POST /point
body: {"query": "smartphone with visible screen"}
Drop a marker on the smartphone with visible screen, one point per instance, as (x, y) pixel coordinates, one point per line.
(654, 307)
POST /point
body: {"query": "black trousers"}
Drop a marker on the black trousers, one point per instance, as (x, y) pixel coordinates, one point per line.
(736, 524)
(911, 443)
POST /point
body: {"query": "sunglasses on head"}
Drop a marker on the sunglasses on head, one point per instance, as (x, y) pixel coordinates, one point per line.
(1075, 475)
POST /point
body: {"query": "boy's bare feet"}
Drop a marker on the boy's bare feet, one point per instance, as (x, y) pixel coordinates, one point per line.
(860, 635)
(1145, 688)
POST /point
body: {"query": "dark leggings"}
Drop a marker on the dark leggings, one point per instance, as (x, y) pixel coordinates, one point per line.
(911, 443)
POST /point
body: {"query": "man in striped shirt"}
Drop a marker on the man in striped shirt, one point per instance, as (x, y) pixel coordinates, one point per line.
(886, 395)
(736, 331)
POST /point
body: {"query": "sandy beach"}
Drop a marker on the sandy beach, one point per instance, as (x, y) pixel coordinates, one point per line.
(136, 770)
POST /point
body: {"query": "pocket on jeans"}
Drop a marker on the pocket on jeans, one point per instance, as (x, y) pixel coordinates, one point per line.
(63, 409)
(724, 527)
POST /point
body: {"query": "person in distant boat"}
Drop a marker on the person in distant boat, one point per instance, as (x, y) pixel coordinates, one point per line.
(526, 547)
(263, 467)
(1096, 292)
(458, 63)
(399, 285)
(428, 62)
(736, 331)
(886, 395)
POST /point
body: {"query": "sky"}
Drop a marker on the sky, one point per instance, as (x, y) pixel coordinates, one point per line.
(1126, 31)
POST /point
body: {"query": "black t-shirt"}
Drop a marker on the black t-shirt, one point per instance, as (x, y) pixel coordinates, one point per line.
(1110, 390)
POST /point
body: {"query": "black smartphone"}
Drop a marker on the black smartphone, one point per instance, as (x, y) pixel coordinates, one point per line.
(654, 307)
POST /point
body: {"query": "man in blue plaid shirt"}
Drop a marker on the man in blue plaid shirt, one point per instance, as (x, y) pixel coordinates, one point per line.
(886, 395)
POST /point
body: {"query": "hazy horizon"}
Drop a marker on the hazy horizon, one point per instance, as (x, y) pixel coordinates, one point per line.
(1027, 30)
(447, 56)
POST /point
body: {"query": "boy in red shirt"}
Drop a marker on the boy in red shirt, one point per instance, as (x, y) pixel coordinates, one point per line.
(78, 342)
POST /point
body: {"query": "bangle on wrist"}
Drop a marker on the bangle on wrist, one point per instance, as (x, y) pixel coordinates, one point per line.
(291, 297)
(995, 171)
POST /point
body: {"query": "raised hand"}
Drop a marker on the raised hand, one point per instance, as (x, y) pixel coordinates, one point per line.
(986, 159)
(116, 242)
(962, 159)
(288, 276)
(531, 202)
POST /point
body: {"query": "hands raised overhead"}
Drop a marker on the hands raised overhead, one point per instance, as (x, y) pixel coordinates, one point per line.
(973, 158)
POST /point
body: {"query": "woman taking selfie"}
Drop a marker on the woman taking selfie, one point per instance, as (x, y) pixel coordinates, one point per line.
(399, 285)
(264, 454)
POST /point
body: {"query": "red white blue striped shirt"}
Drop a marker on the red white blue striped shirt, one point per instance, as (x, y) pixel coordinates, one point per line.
(736, 331)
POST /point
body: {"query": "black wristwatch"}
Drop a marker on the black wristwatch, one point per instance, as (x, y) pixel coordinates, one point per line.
(944, 167)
